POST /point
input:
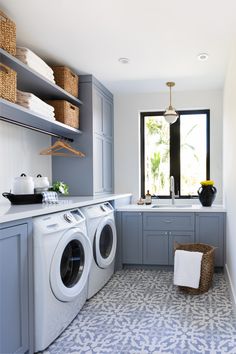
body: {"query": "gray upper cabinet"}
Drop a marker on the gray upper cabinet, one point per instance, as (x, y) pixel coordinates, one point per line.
(103, 114)
(92, 174)
(210, 229)
(14, 294)
(98, 112)
(131, 230)
(107, 118)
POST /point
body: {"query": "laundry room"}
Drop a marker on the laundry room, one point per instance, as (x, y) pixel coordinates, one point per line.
(117, 211)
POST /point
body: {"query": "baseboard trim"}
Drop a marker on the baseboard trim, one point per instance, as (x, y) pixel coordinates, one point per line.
(231, 289)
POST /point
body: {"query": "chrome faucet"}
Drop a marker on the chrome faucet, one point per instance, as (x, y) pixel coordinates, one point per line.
(172, 189)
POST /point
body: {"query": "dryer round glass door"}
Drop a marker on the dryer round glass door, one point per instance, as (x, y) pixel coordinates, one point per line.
(70, 265)
(105, 241)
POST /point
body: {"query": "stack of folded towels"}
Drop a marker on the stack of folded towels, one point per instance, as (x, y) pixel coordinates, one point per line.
(32, 102)
(34, 62)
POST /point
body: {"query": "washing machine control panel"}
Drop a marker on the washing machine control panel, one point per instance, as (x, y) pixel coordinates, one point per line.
(68, 217)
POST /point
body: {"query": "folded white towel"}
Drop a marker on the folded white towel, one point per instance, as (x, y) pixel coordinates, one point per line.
(38, 68)
(28, 98)
(38, 110)
(187, 268)
(37, 65)
(32, 102)
(28, 54)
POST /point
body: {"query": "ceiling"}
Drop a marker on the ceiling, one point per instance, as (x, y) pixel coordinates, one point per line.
(162, 39)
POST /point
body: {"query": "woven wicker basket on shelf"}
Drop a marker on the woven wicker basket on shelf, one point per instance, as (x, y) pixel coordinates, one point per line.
(66, 79)
(7, 34)
(7, 83)
(65, 112)
(207, 265)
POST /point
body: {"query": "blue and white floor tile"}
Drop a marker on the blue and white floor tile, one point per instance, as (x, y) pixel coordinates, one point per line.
(140, 311)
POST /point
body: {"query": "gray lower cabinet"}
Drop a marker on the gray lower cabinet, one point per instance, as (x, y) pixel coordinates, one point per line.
(161, 230)
(131, 238)
(14, 293)
(178, 237)
(148, 238)
(210, 229)
(155, 247)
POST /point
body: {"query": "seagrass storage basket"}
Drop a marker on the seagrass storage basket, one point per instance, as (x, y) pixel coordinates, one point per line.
(66, 79)
(207, 265)
(7, 34)
(65, 112)
(7, 83)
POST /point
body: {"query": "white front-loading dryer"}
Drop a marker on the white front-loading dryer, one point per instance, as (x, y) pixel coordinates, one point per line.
(101, 230)
(62, 261)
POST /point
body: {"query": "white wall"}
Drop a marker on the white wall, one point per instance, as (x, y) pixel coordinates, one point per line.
(127, 133)
(229, 177)
(19, 152)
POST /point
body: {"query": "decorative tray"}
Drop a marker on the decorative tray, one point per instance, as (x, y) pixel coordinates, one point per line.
(18, 199)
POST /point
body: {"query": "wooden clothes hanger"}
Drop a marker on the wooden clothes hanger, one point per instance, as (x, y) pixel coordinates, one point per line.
(54, 150)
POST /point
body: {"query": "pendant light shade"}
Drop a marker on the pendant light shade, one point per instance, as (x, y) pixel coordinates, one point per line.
(170, 114)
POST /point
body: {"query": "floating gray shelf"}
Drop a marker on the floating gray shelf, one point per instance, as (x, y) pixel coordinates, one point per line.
(31, 81)
(15, 114)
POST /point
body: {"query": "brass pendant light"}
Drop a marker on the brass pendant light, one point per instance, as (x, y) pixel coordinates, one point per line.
(170, 114)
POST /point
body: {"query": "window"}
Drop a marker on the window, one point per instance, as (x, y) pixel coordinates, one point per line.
(180, 150)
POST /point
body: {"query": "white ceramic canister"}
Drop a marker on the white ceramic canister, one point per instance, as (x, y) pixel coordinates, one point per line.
(41, 182)
(23, 185)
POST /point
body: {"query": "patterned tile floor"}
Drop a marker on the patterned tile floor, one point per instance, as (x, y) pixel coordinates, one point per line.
(140, 312)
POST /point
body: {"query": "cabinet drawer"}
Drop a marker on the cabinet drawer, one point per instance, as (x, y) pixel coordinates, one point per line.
(168, 221)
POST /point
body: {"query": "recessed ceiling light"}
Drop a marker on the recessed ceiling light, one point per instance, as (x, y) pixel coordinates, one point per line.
(123, 60)
(203, 56)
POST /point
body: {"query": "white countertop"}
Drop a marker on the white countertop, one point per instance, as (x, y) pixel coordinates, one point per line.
(177, 209)
(10, 212)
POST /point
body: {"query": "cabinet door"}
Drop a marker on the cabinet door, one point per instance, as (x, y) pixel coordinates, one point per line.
(14, 331)
(155, 247)
(98, 164)
(107, 118)
(107, 165)
(132, 238)
(210, 230)
(179, 237)
(97, 112)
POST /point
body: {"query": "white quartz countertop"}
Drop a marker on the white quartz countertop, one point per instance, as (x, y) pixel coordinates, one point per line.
(165, 208)
(10, 212)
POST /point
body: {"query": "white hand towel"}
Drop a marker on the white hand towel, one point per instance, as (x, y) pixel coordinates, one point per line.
(187, 268)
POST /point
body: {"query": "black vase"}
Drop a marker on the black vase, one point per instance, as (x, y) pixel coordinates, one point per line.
(207, 195)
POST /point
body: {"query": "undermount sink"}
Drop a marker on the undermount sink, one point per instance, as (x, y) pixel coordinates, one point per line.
(169, 206)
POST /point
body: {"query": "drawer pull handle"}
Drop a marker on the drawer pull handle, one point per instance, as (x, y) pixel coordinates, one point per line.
(167, 221)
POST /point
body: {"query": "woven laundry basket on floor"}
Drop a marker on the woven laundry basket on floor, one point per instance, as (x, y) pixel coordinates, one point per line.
(207, 265)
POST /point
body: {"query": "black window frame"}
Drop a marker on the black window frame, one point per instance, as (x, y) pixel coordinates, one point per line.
(174, 149)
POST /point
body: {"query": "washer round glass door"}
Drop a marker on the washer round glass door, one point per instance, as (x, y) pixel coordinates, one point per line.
(105, 243)
(70, 265)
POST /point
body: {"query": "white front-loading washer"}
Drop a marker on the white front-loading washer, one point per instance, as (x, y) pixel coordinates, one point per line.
(62, 261)
(101, 230)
